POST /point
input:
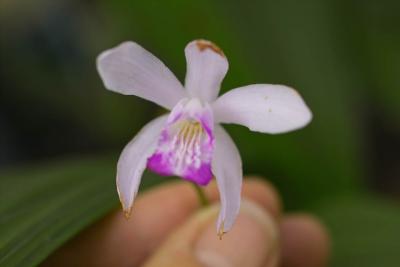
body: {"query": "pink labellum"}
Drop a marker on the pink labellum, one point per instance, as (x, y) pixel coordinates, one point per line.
(186, 143)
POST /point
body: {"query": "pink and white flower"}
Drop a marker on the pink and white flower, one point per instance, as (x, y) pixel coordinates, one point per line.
(189, 142)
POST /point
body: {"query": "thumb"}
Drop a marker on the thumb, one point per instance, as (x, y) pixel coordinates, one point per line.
(252, 241)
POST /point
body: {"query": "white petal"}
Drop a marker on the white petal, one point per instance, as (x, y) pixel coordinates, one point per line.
(263, 108)
(133, 160)
(129, 69)
(206, 68)
(227, 168)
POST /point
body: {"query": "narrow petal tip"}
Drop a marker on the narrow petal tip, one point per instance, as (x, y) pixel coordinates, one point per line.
(204, 44)
(221, 231)
(127, 213)
(126, 210)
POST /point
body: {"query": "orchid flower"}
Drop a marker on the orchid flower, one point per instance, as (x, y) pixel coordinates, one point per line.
(190, 142)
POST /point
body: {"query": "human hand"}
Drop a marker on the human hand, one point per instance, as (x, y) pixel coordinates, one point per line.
(167, 229)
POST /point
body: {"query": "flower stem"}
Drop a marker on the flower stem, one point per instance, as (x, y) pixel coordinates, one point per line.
(204, 202)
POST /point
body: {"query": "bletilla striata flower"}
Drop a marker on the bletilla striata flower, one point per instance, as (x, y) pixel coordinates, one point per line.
(189, 142)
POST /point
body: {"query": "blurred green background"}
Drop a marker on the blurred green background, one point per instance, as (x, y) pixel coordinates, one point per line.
(61, 131)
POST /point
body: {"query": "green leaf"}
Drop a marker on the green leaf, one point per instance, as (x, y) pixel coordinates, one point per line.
(364, 230)
(41, 208)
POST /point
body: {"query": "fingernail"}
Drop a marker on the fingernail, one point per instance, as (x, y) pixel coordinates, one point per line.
(250, 242)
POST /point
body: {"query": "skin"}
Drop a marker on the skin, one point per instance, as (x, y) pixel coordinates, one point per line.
(167, 228)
